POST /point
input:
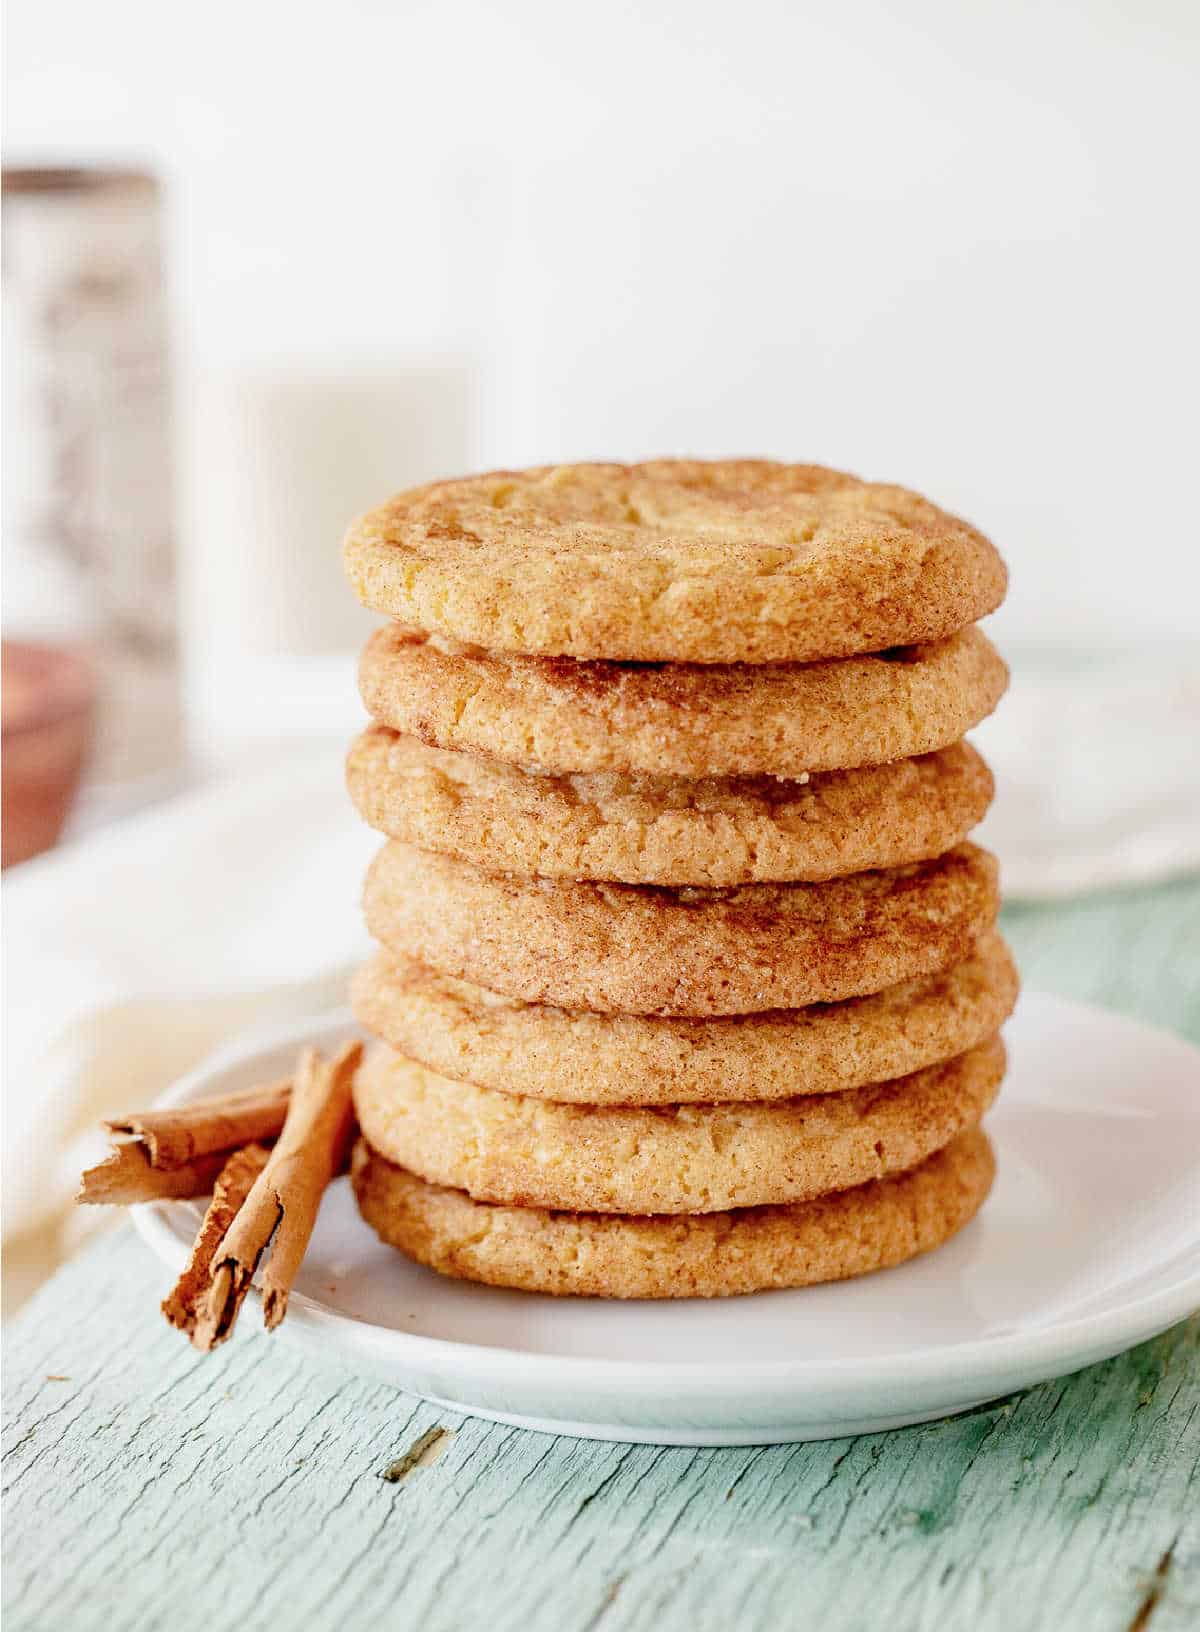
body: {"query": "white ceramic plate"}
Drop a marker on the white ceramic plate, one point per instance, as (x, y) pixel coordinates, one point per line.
(1090, 1242)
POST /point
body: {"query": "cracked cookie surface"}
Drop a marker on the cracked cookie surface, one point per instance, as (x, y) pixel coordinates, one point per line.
(649, 949)
(674, 560)
(666, 830)
(704, 1255)
(672, 1159)
(681, 719)
(461, 1030)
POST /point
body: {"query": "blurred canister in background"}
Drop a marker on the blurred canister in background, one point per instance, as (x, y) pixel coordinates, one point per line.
(88, 519)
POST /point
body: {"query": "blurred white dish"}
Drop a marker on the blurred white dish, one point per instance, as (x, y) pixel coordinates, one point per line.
(144, 944)
(1089, 1243)
(1097, 774)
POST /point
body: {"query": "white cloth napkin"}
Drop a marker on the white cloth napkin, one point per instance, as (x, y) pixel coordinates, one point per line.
(133, 952)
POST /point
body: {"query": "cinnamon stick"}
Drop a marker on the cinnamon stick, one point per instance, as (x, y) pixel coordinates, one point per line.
(281, 1207)
(174, 1137)
(127, 1176)
(233, 1185)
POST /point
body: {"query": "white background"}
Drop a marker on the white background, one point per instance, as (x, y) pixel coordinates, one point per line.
(953, 245)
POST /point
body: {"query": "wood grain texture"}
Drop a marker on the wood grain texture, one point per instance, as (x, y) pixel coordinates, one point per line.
(147, 1487)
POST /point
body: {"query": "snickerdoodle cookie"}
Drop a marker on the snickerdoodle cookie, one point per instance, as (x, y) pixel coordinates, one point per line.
(730, 561)
(463, 1031)
(645, 829)
(666, 1159)
(682, 719)
(649, 949)
(699, 1255)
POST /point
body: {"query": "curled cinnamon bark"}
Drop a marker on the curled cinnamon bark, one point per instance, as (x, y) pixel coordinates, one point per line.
(174, 1137)
(127, 1177)
(233, 1185)
(281, 1206)
(176, 1154)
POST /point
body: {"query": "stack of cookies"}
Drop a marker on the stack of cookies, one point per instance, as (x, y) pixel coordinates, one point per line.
(689, 983)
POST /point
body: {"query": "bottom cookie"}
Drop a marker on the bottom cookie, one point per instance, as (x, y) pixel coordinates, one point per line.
(708, 1255)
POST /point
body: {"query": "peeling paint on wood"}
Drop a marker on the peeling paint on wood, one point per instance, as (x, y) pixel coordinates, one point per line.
(424, 1451)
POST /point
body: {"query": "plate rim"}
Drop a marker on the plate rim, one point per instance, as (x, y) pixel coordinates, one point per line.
(1108, 1331)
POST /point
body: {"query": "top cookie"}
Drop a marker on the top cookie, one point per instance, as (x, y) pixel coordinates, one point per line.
(675, 560)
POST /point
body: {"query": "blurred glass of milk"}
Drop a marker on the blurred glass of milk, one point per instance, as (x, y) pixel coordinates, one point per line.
(280, 461)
